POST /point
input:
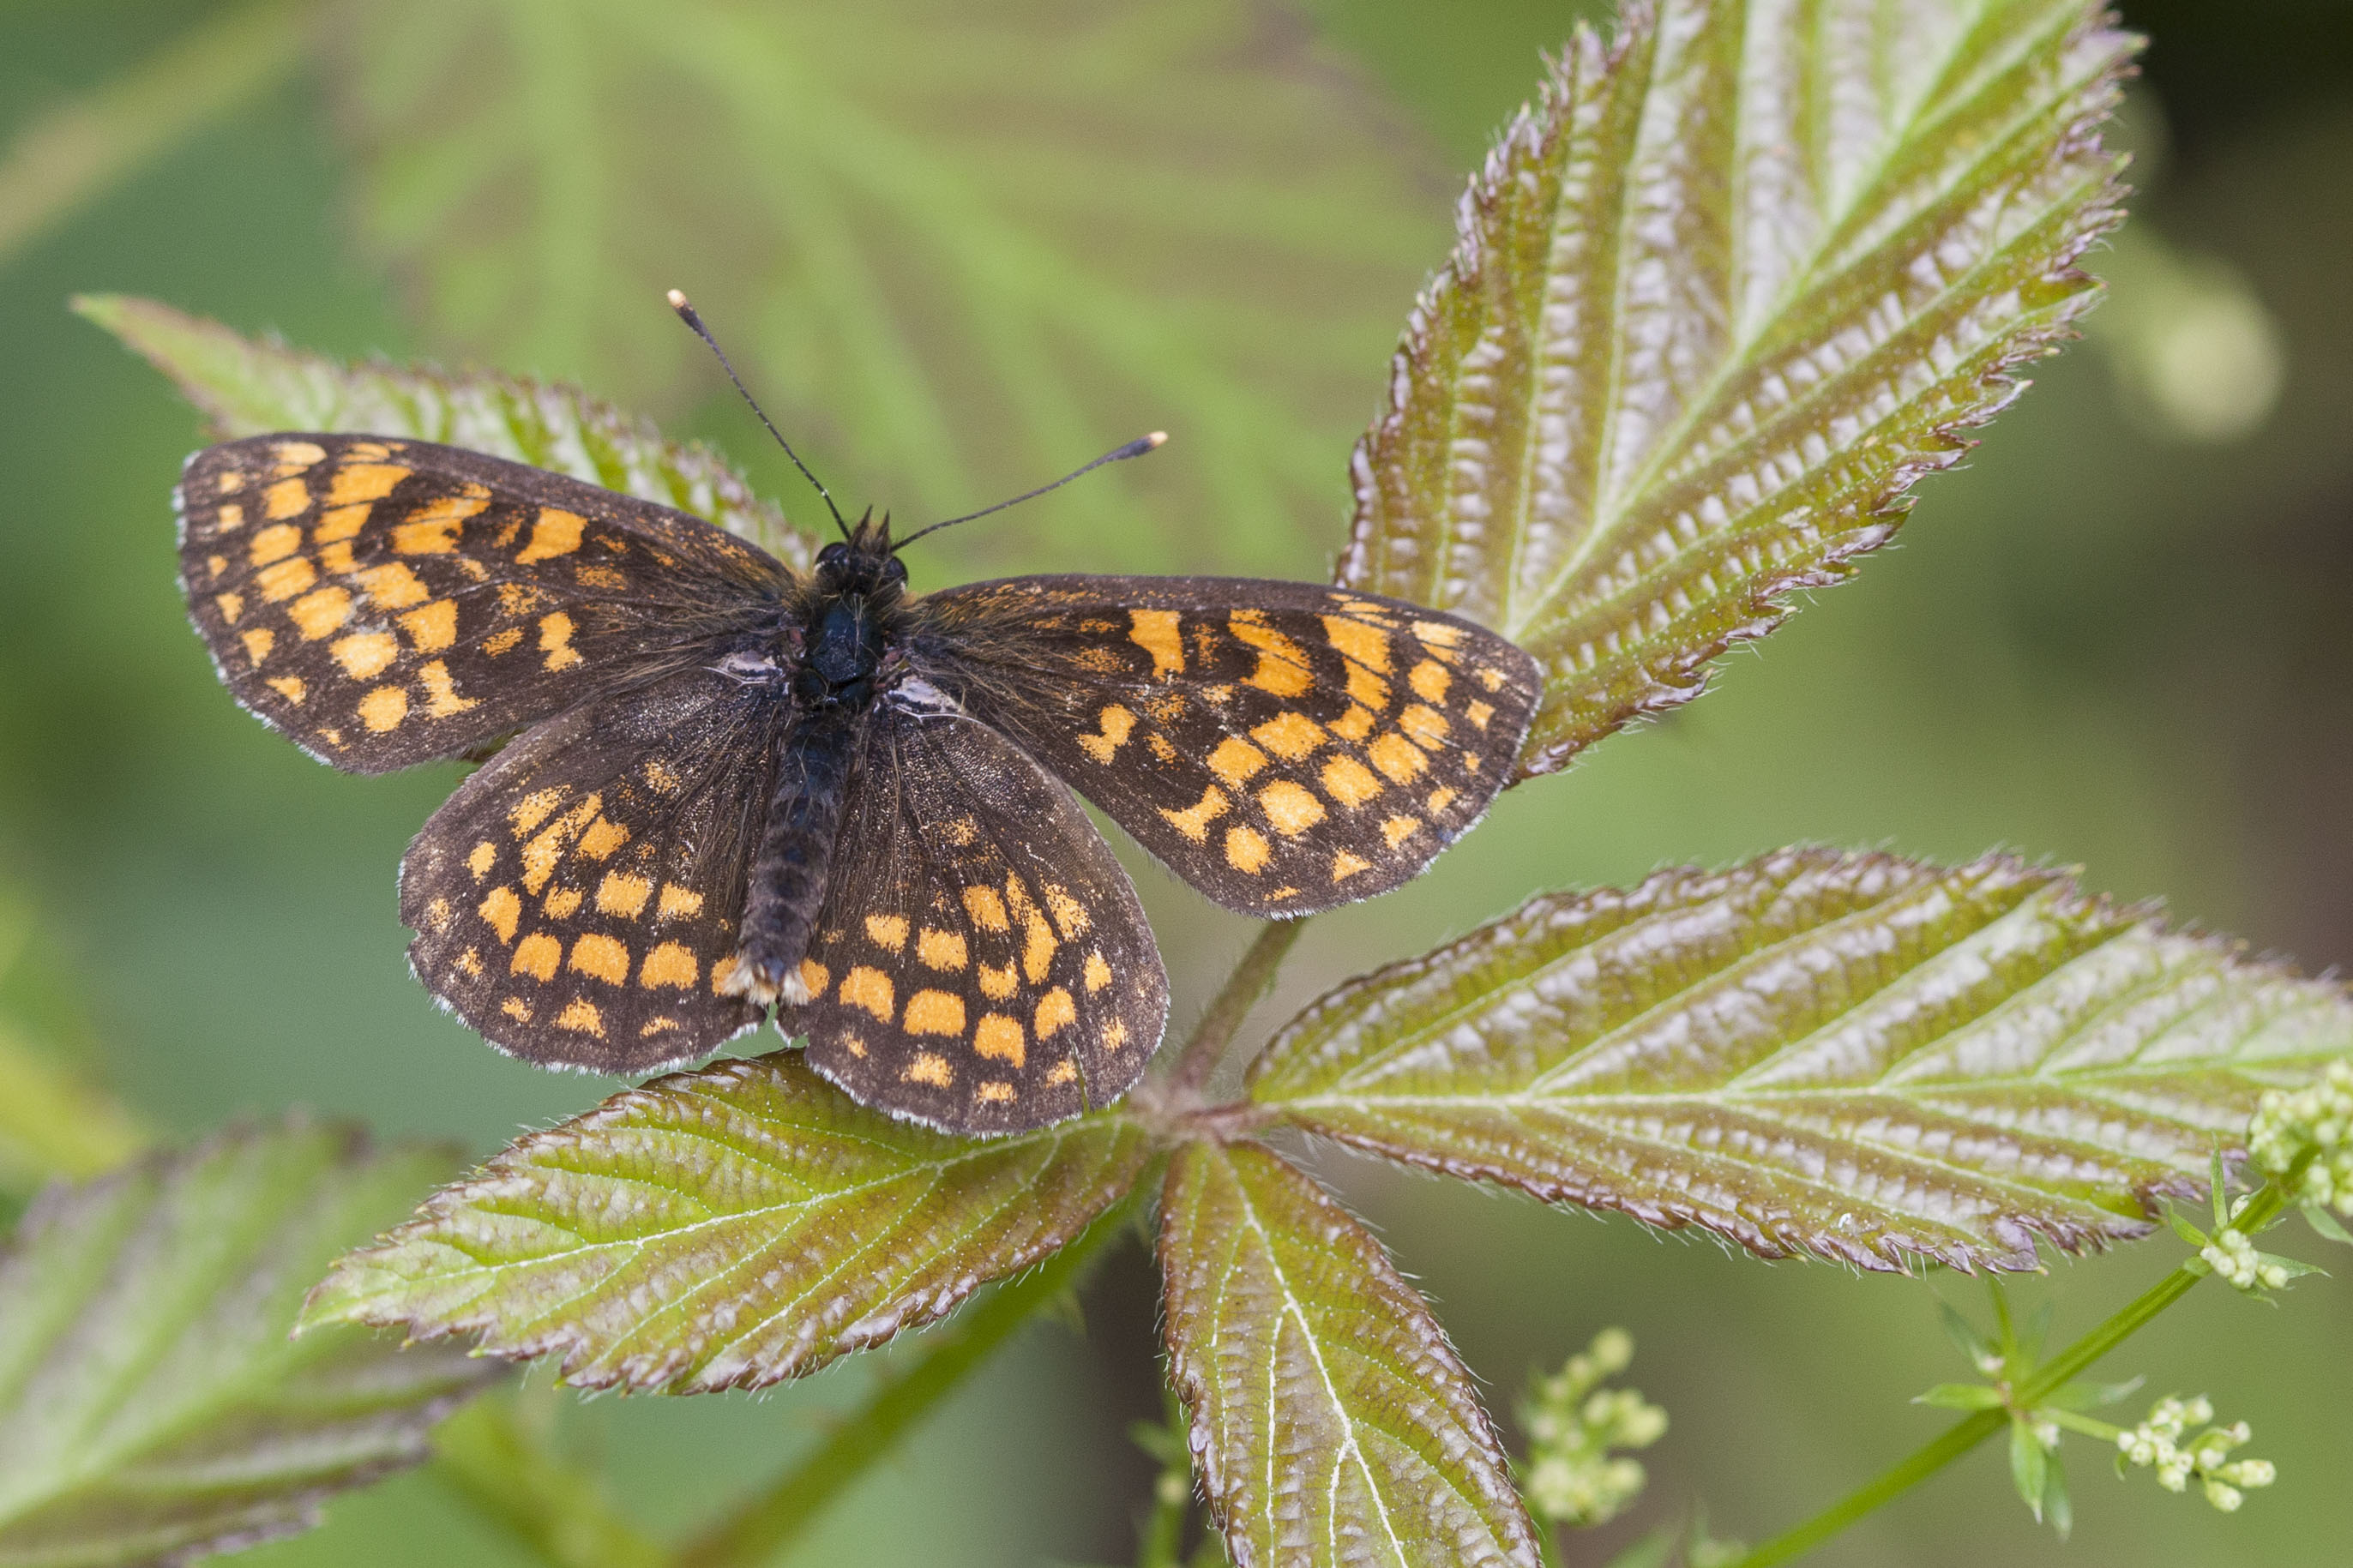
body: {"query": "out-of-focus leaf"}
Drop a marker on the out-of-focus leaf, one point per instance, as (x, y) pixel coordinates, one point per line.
(54, 1121)
(726, 1228)
(1853, 1056)
(152, 1407)
(1722, 294)
(249, 388)
(1331, 1422)
(69, 155)
(967, 245)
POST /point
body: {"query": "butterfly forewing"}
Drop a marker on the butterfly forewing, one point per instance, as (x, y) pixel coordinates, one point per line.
(1284, 747)
(577, 900)
(387, 603)
(981, 961)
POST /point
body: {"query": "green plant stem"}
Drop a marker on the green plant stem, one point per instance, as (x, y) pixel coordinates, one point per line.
(1252, 974)
(488, 1457)
(1967, 1433)
(73, 154)
(905, 1395)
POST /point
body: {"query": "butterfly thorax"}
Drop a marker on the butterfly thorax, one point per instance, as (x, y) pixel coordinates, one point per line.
(838, 658)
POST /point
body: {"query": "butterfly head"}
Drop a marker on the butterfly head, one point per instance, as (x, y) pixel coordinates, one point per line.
(864, 565)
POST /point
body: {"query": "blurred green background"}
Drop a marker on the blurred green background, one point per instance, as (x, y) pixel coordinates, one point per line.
(962, 246)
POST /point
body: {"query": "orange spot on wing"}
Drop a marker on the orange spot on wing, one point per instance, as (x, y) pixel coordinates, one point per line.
(621, 895)
(678, 903)
(556, 641)
(1194, 821)
(1289, 735)
(997, 983)
(1345, 865)
(1247, 851)
(363, 482)
(503, 908)
(259, 642)
(286, 579)
(1429, 680)
(1396, 756)
(1235, 760)
(537, 956)
(1156, 632)
(670, 963)
(869, 988)
(985, 910)
(1355, 724)
(888, 931)
(366, 655)
(1000, 1038)
(341, 526)
(1426, 727)
(432, 627)
(580, 1016)
(482, 858)
(291, 688)
(929, 1068)
(1282, 667)
(392, 586)
(287, 497)
(1069, 915)
(934, 1013)
(318, 615)
(1397, 829)
(552, 533)
(1291, 809)
(1055, 1011)
(1117, 723)
(441, 699)
(1098, 973)
(942, 950)
(383, 709)
(1349, 782)
(604, 836)
(602, 958)
(275, 543)
(1063, 1072)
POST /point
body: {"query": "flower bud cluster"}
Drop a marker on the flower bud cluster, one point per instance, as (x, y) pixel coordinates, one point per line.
(1571, 1477)
(2234, 1258)
(2317, 1119)
(2158, 1441)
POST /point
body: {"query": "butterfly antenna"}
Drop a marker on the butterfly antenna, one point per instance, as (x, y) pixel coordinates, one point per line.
(686, 313)
(1136, 448)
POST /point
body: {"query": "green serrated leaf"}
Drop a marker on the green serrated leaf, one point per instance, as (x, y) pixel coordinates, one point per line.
(249, 388)
(2184, 1229)
(971, 244)
(1857, 1056)
(1331, 1422)
(1722, 294)
(2325, 1224)
(726, 1228)
(152, 1406)
(1961, 1396)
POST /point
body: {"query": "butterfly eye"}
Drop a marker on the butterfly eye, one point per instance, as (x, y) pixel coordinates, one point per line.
(894, 570)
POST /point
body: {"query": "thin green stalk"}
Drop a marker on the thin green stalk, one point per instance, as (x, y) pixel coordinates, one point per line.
(71, 154)
(1967, 1433)
(770, 1520)
(489, 1457)
(1252, 974)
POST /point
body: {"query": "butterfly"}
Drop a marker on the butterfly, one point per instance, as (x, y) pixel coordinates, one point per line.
(728, 786)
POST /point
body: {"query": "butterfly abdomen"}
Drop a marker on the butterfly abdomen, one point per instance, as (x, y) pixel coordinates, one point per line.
(795, 858)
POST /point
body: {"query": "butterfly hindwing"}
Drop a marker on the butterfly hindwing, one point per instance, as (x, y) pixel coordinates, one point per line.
(578, 899)
(385, 603)
(981, 961)
(1284, 747)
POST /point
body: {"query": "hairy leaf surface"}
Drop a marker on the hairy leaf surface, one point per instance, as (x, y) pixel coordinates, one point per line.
(967, 244)
(726, 1228)
(1853, 1056)
(1332, 1423)
(152, 1407)
(1720, 295)
(249, 388)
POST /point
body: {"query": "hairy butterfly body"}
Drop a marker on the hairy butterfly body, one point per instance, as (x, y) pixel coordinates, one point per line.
(732, 786)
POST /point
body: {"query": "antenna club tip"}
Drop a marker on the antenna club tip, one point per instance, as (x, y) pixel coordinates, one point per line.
(1157, 438)
(676, 299)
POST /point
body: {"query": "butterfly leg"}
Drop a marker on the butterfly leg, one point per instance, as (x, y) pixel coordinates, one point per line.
(788, 878)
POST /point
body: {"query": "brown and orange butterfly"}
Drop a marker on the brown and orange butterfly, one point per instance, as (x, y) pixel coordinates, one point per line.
(732, 786)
